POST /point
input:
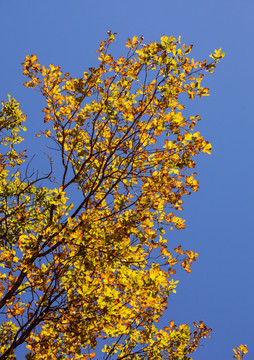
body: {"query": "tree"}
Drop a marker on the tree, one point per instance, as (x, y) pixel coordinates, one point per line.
(83, 252)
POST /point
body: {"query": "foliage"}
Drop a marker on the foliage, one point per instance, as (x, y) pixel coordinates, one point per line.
(240, 351)
(83, 252)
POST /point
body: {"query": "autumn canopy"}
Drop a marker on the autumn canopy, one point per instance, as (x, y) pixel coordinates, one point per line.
(86, 266)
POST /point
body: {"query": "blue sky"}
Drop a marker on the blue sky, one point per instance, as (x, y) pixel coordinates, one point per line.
(219, 218)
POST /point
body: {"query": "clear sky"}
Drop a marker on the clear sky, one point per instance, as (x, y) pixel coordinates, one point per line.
(219, 218)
